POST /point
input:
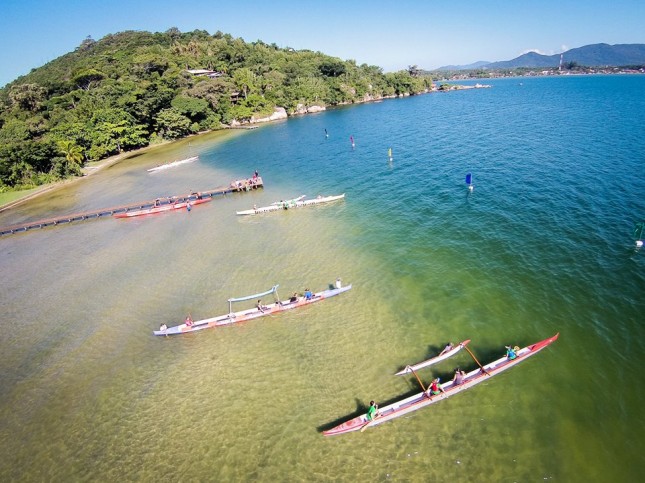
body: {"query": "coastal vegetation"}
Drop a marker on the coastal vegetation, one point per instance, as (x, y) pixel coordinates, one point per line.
(133, 89)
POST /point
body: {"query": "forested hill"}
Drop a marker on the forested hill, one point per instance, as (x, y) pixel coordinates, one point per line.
(134, 88)
(596, 55)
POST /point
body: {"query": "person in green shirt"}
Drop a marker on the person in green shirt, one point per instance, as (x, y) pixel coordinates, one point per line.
(372, 411)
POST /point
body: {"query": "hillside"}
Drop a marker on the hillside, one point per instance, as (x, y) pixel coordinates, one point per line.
(595, 55)
(134, 88)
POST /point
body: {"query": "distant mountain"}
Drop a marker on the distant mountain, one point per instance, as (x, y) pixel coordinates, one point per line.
(474, 65)
(595, 55)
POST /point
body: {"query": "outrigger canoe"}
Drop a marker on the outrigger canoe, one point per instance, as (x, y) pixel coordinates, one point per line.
(173, 164)
(162, 208)
(281, 203)
(254, 313)
(434, 360)
(292, 204)
(421, 400)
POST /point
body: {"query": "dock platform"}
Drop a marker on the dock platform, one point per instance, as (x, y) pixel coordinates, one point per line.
(236, 186)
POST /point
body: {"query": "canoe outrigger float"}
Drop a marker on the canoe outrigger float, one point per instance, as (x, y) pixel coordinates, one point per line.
(256, 312)
(434, 360)
(421, 400)
(295, 203)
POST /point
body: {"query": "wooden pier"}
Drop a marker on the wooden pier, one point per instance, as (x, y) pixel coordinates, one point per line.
(235, 186)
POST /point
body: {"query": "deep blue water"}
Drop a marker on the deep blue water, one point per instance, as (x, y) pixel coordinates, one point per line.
(542, 245)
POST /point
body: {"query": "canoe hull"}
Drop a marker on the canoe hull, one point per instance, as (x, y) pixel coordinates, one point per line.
(418, 401)
(434, 360)
(293, 204)
(173, 164)
(161, 209)
(251, 314)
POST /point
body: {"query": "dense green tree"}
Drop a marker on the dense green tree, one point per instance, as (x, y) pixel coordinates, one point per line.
(244, 80)
(172, 124)
(27, 96)
(73, 156)
(87, 78)
(131, 88)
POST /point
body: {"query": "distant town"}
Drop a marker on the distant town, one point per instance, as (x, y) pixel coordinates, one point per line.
(531, 72)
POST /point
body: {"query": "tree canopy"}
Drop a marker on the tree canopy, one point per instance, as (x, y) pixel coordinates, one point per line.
(128, 89)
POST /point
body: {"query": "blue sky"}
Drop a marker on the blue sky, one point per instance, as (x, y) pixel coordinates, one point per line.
(389, 34)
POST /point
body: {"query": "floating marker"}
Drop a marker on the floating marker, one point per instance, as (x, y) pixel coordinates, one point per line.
(469, 182)
(638, 233)
(351, 140)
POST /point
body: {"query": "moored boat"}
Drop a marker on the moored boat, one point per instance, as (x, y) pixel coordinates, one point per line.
(421, 400)
(162, 208)
(256, 312)
(281, 203)
(292, 204)
(434, 360)
(173, 164)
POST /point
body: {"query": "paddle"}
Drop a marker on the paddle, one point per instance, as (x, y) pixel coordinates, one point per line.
(364, 427)
(376, 414)
(415, 375)
(475, 359)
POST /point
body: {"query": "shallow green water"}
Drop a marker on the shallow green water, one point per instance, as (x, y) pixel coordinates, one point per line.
(541, 246)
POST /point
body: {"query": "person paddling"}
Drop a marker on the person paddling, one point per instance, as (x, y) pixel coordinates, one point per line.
(188, 321)
(448, 348)
(434, 388)
(511, 353)
(459, 377)
(372, 411)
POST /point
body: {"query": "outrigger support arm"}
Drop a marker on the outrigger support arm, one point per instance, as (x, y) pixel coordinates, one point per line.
(475, 359)
(415, 375)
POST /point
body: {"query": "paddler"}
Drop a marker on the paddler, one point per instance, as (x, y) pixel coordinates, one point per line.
(448, 348)
(188, 321)
(434, 388)
(260, 307)
(372, 411)
(510, 353)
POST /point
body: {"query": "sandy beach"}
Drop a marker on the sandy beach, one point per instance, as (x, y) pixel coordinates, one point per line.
(89, 169)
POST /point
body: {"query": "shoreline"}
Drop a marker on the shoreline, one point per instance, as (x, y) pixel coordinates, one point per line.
(91, 168)
(96, 166)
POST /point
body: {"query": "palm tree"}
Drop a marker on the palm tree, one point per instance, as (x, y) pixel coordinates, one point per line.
(73, 154)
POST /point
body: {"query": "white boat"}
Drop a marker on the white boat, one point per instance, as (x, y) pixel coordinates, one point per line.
(434, 360)
(294, 302)
(293, 204)
(173, 164)
(293, 200)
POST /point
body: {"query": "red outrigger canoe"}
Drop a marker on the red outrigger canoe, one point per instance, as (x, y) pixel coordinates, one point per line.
(162, 208)
(421, 400)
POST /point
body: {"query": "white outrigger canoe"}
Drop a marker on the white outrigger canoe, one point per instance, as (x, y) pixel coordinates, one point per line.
(173, 164)
(434, 360)
(421, 400)
(291, 204)
(254, 313)
(281, 203)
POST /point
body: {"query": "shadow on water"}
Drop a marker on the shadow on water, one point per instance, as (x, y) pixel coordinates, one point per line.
(361, 408)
